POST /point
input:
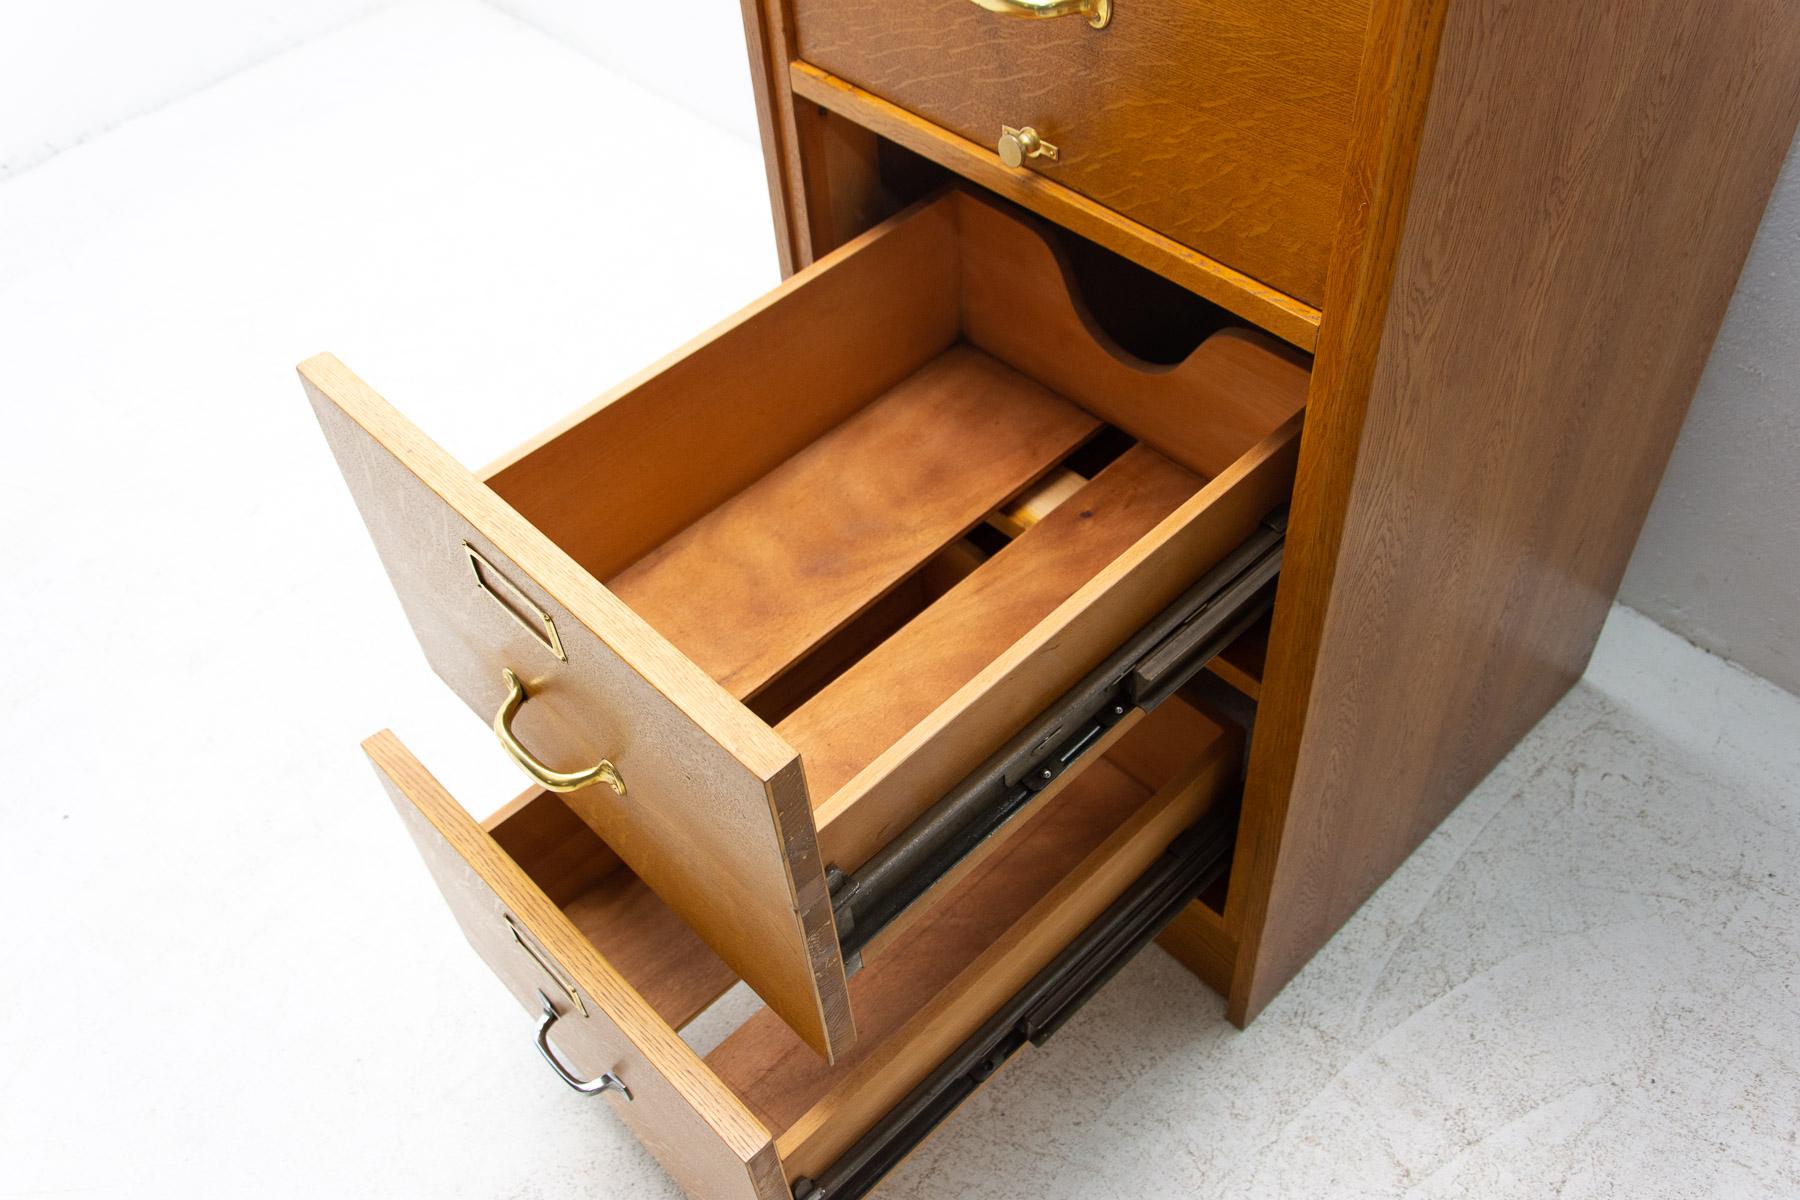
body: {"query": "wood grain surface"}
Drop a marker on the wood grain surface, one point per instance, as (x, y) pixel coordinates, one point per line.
(862, 712)
(560, 852)
(1268, 307)
(702, 1133)
(651, 456)
(715, 817)
(1054, 654)
(667, 963)
(1020, 304)
(801, 552)
(1221, 125)
(1530, 273)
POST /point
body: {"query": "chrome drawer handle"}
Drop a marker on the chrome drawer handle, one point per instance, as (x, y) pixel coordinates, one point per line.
(608, 1082)
(555, 781)
(1098, 12)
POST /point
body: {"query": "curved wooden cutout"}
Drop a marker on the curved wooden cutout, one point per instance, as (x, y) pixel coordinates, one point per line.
(1021, 305)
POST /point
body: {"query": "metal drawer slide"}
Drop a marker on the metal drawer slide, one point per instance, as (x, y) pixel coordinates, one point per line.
(1191, 864)
(1160, 658)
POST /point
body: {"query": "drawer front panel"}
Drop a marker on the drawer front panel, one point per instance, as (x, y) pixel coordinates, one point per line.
(695, 1126)
(1223, 125)
(714, 816)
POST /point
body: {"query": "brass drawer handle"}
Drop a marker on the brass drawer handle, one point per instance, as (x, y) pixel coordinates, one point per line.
(1098, 12)
(555, 781)
(608, 1082)
(1017, 145)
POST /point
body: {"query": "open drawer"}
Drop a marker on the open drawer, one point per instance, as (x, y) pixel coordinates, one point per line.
(735, 611)
(612, 975)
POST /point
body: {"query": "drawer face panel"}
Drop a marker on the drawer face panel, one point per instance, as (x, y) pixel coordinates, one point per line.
(714, 815)
(699, 1130)
(1222, 125)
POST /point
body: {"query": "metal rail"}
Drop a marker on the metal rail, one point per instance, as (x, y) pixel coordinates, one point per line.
(1168, 652)
(1191, 864)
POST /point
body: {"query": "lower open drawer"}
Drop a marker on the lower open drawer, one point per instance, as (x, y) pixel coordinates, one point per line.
(612, 974)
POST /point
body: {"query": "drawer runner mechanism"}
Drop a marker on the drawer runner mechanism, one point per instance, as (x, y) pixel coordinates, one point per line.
(1167, 653)
(1191, 864)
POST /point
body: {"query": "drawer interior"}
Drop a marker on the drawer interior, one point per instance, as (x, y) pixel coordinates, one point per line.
(940, 978)
(794, 584)
(860, 527)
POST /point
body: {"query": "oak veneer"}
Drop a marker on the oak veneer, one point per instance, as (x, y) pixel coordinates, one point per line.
(1487, 450)
(1262, 304)
(1021, 305)
(723, 790)
(699, 1129)
(1220, 125)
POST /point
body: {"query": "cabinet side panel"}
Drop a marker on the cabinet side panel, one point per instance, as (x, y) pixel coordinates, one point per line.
(766, 41)
(1589, 178)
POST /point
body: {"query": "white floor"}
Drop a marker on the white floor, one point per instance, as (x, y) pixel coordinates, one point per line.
(225, 972)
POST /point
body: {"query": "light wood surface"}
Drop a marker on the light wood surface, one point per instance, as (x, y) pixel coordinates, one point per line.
(978, 718)
(966, 957)
(797, 555)
(1221, 125)
(675, 972)
(766, 40)
(1036, 502)
(716, 817)
(551, 844)
(1503, 370)
(1020, 304)
(650, 457)
(703, 1135)
(1199, 941)
(862, 712)
(1268, 307)
(876, 624)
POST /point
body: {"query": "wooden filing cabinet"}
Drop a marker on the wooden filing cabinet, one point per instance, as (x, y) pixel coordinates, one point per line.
(894, 647)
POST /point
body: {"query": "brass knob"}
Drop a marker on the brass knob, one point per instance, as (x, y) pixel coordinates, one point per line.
(1017, 145)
